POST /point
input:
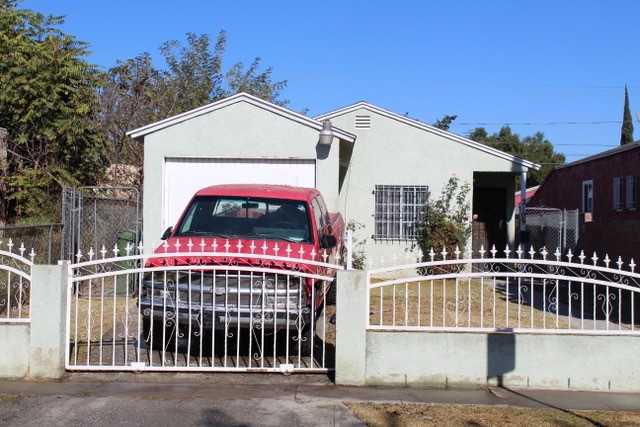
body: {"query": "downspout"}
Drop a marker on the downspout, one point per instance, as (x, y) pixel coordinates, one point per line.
(524, 235)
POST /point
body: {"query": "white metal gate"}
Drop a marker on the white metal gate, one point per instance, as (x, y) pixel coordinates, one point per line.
(197, 308)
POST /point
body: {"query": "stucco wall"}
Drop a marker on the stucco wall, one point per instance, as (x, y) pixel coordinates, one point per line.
(14, 357)
(240, 130)
(395, 153)
(36, 349)
(517, 360)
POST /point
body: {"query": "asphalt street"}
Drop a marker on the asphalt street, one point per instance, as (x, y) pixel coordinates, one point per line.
(116, 399)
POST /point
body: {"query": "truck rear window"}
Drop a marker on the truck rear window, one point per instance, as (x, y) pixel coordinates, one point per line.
(235, 217)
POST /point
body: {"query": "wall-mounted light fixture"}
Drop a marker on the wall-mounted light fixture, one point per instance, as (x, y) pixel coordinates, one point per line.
(326, 134)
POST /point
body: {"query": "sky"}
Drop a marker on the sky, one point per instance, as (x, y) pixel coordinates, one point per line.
(556, 67)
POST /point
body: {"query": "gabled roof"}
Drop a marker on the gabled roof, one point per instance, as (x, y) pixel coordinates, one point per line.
(613, 151)
(428, 128)
(240, 97)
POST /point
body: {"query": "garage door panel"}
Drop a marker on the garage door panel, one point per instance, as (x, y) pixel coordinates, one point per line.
(184, 176)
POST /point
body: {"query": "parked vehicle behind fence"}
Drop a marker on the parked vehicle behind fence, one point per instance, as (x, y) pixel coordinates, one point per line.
(228, 284)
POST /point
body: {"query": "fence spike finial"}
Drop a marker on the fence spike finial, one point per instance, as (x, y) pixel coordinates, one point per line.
(558, 254)
(606, 260)
(582, 257)
(32, 255)
(544, 253)
(532, 252)
(114, 250)
(519, 252)
(507, 251)
(444, 253)
(493, 251)
(594, 258)
(632, 265)
(22, 249)
(91, 254)
(190, 245)
(432, 254)
(569, 255)
(620, 263)
(481, 251)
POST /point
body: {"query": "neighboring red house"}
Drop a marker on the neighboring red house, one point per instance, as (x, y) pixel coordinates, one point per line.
(604, 187)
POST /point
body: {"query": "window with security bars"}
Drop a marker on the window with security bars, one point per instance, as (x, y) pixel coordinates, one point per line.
(398, 209)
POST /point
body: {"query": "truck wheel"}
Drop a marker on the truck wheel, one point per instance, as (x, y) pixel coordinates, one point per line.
(330, 297)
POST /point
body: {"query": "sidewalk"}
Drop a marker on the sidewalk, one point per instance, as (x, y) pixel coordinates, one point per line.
(247, 400)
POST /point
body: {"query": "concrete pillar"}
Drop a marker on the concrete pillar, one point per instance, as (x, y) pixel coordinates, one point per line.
(351, 333)
(48, 307)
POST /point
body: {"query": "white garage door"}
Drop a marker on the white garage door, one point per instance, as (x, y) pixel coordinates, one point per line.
(184, 176)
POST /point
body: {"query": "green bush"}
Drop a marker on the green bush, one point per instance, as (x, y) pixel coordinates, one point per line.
(446, 221)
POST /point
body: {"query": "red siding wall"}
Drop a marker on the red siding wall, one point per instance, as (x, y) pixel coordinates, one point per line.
(612, 232)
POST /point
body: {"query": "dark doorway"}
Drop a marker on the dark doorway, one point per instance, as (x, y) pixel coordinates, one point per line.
(490, 226)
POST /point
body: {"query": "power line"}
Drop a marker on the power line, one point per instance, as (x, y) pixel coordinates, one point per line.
(600, 122)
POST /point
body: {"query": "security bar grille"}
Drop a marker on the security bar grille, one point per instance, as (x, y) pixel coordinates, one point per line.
(398, 209)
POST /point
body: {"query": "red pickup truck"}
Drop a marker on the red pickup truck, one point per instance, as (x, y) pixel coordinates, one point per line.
(243, 257)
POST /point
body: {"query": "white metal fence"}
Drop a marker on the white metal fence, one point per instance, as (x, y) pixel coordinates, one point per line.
(15, 282)
(507, 291)
(201, 307)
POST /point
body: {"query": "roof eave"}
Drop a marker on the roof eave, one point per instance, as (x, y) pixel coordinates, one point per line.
(239, 97)
(415, 123)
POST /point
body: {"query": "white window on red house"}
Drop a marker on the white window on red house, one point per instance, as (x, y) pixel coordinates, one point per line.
(631, 193)
(618, 188)
(587, 196)
(398, 210)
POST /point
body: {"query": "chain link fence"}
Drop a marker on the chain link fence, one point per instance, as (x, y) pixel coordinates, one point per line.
(43, 239)
(553, 228)
(94, 217)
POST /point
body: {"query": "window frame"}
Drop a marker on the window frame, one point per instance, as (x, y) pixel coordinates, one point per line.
(587, 199)
(397, 211)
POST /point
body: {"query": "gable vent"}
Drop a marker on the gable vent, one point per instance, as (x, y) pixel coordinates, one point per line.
(363, 122)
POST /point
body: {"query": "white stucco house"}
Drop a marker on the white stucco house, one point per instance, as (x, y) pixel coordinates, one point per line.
(375, 166)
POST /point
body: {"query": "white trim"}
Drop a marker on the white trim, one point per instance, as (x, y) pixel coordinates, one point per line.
(240, 97)
(428, 128)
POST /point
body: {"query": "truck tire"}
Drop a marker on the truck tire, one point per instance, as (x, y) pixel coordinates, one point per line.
(331, 296)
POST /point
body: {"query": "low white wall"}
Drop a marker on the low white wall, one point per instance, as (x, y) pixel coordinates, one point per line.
(517, 360)
(36, 349)
(436, 359)
(14, 357)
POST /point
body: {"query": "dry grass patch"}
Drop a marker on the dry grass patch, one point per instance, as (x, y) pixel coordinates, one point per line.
(399, 415)
(470, 303)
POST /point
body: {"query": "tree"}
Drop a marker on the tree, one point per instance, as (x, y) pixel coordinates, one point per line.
(626, 136)
(136, 93)
(445, 122)
(534, 148)
(47, 98)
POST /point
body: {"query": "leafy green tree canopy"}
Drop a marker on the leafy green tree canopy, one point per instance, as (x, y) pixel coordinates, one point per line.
(47, 97)
(137, 92)
(535, 148)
